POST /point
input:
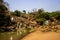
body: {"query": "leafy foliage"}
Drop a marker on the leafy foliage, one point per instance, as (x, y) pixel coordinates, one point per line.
(4, 18)
(40, 16)
(16, 13)
(41, 21)
(24, 11)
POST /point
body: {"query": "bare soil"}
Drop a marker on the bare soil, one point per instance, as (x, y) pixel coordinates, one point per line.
(37, 35)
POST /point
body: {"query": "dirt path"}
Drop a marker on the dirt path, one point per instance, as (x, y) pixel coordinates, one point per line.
(37, 35)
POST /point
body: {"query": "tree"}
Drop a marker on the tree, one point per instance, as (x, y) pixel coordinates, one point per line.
(40, 10)
(57, 15)
(4, 17)
(1, 1)
(24, 11)
(41, 21)
(17, 13)
(42, 16)
(3, 7)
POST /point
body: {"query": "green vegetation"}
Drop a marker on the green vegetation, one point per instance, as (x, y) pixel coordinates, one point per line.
(39, 17)
(16, 13)
(4, 14)
(25, 22)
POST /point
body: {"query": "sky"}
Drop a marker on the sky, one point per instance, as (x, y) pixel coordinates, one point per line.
(28, 5)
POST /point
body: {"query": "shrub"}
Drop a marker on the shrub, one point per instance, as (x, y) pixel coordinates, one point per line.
(41, 21)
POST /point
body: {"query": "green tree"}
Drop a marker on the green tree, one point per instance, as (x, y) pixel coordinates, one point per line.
(43, 15)
(40, 10)
(1, 1)
(4, 14)
(3, 7)
(17, 13)
(24, 11)
(41, 21)
(57, 15)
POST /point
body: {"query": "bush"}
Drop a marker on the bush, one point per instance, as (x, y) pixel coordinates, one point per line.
(4, 20)
(16, 13)
(41, 21)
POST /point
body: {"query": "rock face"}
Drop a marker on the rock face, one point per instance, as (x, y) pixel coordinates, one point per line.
(20, 22)
(50, 28)
(26, 22)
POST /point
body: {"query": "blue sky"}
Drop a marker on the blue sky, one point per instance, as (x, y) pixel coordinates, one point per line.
(28, 5)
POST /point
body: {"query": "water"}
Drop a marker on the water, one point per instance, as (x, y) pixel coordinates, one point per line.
(14, 35)
(10, 35)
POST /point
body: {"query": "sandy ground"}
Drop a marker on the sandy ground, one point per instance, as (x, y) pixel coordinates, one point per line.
(37, 35)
